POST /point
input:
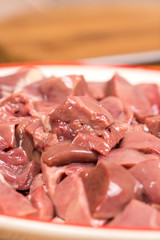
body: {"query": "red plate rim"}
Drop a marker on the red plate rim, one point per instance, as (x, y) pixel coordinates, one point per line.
(76, 63)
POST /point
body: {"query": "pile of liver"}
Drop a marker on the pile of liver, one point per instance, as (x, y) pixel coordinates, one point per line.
(78, 152)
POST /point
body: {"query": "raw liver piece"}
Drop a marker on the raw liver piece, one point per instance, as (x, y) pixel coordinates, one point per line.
(71, 202)
(7, 132)
(92, 142)
(137, 214)
(102, 141)
(138, 139)
(147, 173)
(52, 176)
(37, 182)
(42, 108)
(14, 203)
(114, 133)
(18, 104)
(129, 94)
(119, 111)
(21, 78)
(57, 89)
(14, 157)
(43, 140)
(3, 144)
(83, 109)
(40, 199)
(109, 187)
(126, 157)
(97, 89)
(65, 152)
(24, 140)
(151, 92)
(20, 177)
(153, 123)
(33, 125)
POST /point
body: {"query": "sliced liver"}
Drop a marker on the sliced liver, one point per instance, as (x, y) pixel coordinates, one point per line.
(109, 187)
(147, 173)
(85, 110)
(140, 140)
(129, 94)
(14, 203)
(138, 215)
(57, 89)
(72, 153)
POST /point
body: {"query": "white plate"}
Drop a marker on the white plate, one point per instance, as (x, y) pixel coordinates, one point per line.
(15, 228)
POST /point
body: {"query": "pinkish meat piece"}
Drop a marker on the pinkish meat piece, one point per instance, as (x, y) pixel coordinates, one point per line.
(137, 214)
(71, 202)
(24, 140)
(57, 89)
(113, 134)
(129, 94)
(109, 187)
(42, 203)
(40, 199)
(14, 203)
(101, 141)
(54, 156)
(92, 142)
(37, 182)
(151, 91)
(7, 132)
(153, 124)
(147, 173)
(14, 157)
(33, 90)
(126, 157)
(21, 78)
(33, 125)
(118, 110)
(52, 176)
(3, 144)
(114, 105)
(7, 118)
(43, 139)
(20, 177)
(138, 139)
(18, 104)
(42, 108)
(97, 89)
(63, 131)
(83, 109)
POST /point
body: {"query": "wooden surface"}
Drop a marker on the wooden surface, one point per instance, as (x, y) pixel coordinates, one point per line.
(70, 33)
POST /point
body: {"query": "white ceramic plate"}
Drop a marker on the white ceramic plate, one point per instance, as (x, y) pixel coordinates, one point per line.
(15, 228)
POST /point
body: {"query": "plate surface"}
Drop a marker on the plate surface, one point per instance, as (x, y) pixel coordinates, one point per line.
(15, 228)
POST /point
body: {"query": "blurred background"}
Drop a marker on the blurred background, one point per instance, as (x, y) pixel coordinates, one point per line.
(110, 31)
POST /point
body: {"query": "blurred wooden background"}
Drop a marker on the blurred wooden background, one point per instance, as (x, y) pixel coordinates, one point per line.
(71, 32)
